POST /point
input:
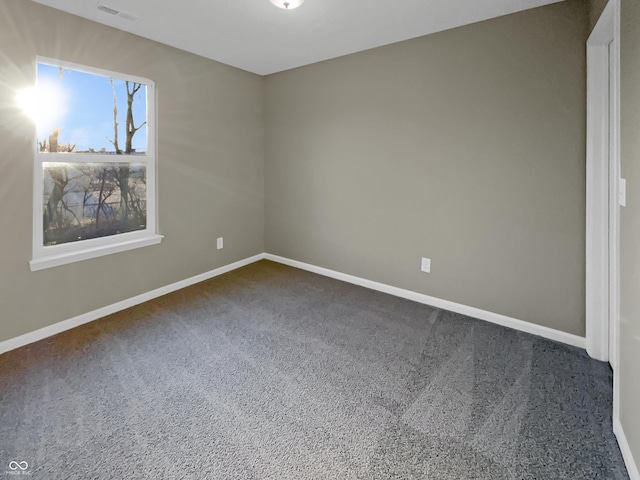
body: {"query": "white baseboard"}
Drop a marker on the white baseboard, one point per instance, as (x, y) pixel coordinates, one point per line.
(59, 327)
(381, 287)
(632, 468)
(497, 318)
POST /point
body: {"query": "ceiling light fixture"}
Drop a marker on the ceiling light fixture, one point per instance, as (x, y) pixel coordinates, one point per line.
(287, 4)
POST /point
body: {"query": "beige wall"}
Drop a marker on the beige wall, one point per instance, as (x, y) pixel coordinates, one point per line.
(630, 226)
(210, 168)
(466, 146)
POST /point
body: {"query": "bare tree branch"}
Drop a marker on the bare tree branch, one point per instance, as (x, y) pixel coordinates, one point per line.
(115, 119)
(64, 205)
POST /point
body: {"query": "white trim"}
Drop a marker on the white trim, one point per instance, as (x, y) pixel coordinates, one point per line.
(55, 62)
(54, 255)
(602, 33)
(59, 327)
(603, 325)
(632, 468)
(496, 318)
(599, 219)
(58, 259)
(614, 355)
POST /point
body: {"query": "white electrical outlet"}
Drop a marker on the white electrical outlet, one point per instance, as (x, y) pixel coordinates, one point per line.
(220, 243)
(426, 265)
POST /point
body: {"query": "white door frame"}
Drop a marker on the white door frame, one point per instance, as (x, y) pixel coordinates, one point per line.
(603, 188)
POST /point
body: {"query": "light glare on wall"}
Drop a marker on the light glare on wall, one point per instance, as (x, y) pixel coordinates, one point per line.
(28, 102)
(287, 4)
(45, 104)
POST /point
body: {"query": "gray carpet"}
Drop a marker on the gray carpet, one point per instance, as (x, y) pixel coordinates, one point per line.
(269, 372)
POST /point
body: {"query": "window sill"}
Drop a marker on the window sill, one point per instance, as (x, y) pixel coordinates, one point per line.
(48, 261)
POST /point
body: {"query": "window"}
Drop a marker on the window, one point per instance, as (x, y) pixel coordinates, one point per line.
(94, 169)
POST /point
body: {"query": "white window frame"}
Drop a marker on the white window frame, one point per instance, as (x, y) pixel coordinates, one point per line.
(54, 255)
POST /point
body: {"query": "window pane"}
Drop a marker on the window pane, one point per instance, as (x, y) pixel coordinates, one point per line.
(79, 112)
(91, 200)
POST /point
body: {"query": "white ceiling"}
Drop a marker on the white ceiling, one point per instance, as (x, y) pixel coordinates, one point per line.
(256, 36)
